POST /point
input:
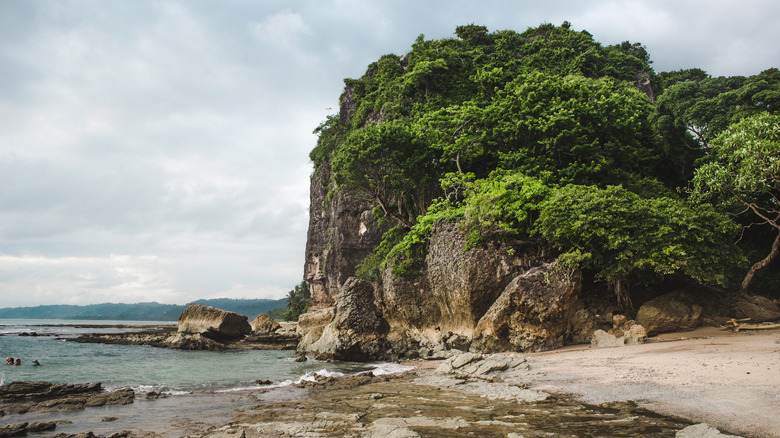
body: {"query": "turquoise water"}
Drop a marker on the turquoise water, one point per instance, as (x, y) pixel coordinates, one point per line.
(199, 387)
(141, 367)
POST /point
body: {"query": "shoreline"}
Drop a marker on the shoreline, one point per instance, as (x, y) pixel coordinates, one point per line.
(729, 381)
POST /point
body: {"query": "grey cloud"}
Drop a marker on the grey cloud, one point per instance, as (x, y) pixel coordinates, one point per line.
(159, 150)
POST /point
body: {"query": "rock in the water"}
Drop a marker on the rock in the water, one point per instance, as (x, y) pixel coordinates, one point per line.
(213, 323)
(702, 430)
(264, 323)
(187, 341)
(531, 314)
(21, 397)
(757, 308)
(668, 313)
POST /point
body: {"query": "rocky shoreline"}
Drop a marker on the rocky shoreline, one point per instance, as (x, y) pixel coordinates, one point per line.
(665, 388)
(207, 328)
(20, 398)
(171, 338)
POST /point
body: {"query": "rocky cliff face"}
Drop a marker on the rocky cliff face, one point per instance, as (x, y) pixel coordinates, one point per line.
(511, 296)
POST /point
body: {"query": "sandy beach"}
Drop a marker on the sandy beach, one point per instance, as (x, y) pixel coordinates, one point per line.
(730, 381)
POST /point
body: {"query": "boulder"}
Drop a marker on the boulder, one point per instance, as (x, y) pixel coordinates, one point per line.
(757, 308)
(356, 331)
(669, 313)
(263, 323)
(213, 323)
(604, 339)
(531, 314)
(635, 335)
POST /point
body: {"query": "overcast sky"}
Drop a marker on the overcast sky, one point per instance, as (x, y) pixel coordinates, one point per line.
(158, 150)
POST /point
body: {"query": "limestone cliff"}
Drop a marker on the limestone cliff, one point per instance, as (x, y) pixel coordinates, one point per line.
(511, 296)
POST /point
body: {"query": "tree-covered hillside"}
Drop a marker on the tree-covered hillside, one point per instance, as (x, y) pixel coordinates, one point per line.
(138, 311)
(549, 134)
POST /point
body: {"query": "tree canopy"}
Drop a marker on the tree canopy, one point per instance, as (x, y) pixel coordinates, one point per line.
(545, 133)
(744, 167)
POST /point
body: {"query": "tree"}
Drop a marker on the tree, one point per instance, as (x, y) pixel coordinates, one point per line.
(455, 131)
(386, 165)
(744, 165)
(705, 107)
(573, 129)
(297, 302)
(628, 239)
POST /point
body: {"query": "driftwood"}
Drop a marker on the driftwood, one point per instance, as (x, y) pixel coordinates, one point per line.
(734, 325)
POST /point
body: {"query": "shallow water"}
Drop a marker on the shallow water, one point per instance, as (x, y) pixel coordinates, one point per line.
(199, 387)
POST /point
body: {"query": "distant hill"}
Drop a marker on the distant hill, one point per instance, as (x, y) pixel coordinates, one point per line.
(139, 311)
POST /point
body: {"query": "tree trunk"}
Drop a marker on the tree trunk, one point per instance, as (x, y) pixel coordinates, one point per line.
(749, 277)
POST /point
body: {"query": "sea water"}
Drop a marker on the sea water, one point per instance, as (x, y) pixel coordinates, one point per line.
(197, 386)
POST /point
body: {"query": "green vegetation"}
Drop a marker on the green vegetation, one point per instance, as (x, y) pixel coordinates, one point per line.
(297, 302)
(139, 311)
(545, 134)
(743, 167)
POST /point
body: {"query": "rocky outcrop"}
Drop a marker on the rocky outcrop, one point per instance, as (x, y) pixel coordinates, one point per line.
(668, 313)
(757, 308)
(22, 429)
(22, 397)
(507, 297)
(356, 331)
(212, 323)
(532, 312)
(264, 323)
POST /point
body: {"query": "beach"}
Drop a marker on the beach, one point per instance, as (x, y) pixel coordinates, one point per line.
(729, 381)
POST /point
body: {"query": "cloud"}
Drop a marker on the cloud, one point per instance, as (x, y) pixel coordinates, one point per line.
(159, 150)
(281, 29)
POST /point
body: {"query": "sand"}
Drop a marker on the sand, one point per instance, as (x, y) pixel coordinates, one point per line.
(730, 381)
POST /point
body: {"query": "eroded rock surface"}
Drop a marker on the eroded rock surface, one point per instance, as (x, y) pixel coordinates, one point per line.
(264, 323)
(22, 397)
(212, 323)
(668, 313)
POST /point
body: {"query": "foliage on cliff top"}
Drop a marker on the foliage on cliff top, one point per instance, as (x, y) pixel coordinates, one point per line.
(487, 128)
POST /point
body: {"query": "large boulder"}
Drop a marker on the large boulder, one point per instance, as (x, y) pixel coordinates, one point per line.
(213, 323)
(264, 323)
(669, 313)
(757, 308)
(531, 314)
(356, 330)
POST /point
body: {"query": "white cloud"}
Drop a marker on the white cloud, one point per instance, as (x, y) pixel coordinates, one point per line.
(281, 29)
(159, 151)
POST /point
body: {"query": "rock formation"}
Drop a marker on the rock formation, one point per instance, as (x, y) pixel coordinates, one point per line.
(213, 323)
(22, 397)
(507, 297)
(667, 313)
(263, 323)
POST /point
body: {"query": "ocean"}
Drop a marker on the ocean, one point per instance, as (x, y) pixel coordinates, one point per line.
(200, 388)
